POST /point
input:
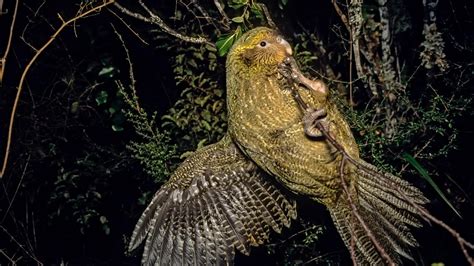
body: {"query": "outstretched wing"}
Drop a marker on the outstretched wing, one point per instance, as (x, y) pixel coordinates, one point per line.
(215, 202)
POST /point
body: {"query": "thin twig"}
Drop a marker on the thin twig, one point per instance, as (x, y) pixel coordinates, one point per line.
(205, 14)
(341, 15)
(17, 188)
(132, 99)
(355, 211)
(10, 259)
(129, 61)
(156, 20)
(293, 236)
(225, 18)
(27, 68)
(268, 16)
(464, 244)
(423, 212)
(3, 60)
(128, 27)
(20, 245)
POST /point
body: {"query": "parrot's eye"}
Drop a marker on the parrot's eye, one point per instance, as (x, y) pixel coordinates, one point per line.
(262, 44)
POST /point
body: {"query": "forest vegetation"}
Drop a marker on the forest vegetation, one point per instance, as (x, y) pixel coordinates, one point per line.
(101, 100)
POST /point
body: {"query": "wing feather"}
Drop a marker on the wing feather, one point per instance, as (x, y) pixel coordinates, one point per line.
(215, 202)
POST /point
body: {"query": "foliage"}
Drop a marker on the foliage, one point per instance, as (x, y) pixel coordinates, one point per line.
(154, 150)
(410, 92)
(303, 246)
(198, 118)
(78, 193)
(428, 178)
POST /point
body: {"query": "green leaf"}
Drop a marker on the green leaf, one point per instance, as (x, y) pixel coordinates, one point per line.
(424, 173)
(103, 219)
(74, 107)
(282, 4)
(236, 4)
(107, 71)
(206, 125)
(238, 19)
(225, 42)
(117, 128)
(101, 98)
(201, 143)
(256, 11)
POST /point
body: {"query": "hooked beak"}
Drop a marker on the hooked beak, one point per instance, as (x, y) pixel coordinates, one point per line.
(286, 45)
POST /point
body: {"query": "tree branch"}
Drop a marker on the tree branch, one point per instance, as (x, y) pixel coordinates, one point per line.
(156, 20)
(422, 212)
(27, 68)
(3, 60)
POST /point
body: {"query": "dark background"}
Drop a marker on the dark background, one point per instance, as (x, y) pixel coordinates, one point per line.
(73, 191)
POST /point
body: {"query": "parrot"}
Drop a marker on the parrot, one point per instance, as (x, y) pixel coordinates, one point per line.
(217, 201)
(371, 210)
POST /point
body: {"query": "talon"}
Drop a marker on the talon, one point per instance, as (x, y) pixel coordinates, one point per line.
(311, 120)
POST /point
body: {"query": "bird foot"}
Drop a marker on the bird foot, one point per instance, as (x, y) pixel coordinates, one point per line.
(314, 121)
(289, 69)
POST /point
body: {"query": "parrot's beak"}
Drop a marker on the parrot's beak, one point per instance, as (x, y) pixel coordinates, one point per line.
(286, 45)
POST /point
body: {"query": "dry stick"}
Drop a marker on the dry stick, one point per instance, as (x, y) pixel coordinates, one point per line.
(351, 101)
(423, 212)
(355, 212)
(129, 28)
(10, 259)
(222, 12)
(341, 15)
(156, 20)
(20, 245)
(17, 188)
(132, 100)
(3, 60)
(281, 242)
(351, 229)
(27, 68)
(268, 16)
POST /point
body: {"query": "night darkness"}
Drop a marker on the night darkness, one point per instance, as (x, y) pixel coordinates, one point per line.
(73, 191)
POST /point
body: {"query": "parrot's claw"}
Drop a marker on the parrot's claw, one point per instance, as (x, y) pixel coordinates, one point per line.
(286, 71)
(289, 70)
(313, 120)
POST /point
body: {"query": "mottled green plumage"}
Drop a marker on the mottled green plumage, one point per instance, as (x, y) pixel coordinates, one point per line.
(266, 123)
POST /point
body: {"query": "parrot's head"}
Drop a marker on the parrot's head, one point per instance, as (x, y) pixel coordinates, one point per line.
(258, 50)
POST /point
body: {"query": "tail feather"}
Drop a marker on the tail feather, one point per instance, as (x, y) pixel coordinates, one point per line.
(385, 205)
(389, 183)
(394, 226)
(395, 214)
